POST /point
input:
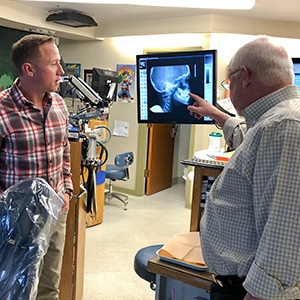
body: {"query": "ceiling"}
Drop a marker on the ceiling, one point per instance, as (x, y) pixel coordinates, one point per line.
(276, 10)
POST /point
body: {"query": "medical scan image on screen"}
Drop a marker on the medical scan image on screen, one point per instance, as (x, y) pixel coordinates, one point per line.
(165, 82)
(172, 84)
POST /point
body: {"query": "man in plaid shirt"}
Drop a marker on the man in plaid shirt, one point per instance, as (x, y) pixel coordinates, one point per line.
(34, 138)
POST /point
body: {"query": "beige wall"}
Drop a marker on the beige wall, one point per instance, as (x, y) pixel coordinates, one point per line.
(226, 44)
(122, 43)
(123, 50)
(15, 14)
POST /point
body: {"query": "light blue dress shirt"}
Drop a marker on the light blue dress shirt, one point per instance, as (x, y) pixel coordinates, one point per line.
(251, 222)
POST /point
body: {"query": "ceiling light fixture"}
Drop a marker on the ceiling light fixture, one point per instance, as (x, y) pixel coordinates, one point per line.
(72, 19)
(202, 4)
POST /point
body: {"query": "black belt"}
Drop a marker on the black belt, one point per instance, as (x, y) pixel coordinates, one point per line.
(228, 281)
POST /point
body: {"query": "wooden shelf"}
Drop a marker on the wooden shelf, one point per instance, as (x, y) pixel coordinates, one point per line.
(72, 274)
(189, 276)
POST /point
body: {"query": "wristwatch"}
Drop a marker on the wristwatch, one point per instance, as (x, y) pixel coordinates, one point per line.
(69, 192)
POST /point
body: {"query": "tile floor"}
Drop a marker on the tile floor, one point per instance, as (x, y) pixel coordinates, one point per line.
(112, 245)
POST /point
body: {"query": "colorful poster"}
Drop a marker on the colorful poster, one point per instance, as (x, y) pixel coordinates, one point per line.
(73, 69)
(126, 82)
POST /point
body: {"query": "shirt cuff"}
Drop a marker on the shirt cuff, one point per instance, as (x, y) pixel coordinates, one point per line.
(260, 284)
(229, 126)
(68, 183)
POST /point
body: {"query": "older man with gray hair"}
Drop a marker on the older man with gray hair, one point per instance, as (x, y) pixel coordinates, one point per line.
(250, 228)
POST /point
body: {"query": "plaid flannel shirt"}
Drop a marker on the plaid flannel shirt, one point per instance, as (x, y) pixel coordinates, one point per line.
(34, 143)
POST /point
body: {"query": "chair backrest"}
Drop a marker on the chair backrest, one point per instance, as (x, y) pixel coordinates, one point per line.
(124, 159)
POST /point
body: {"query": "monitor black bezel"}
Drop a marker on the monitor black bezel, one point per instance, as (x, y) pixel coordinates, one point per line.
(103, 75)
(296, 60)
(191, 120)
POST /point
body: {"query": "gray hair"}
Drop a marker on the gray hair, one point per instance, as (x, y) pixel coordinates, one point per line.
(269, 62)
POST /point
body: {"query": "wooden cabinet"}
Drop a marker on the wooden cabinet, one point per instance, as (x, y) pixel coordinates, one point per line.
(177, 282)
(196, 209)
(97, 218)
(72, 274)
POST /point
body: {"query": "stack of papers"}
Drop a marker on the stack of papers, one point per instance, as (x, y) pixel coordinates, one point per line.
(184, 249)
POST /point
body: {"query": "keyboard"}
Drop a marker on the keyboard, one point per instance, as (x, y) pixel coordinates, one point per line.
(204, 163)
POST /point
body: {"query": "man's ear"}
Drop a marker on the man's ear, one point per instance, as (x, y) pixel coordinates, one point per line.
(28, 69)
(246, 76)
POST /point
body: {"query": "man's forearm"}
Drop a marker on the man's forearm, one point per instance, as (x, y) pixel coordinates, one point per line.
(220, 117)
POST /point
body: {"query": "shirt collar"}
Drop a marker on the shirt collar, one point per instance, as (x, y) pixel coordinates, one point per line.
(20, 99)
(254, 111)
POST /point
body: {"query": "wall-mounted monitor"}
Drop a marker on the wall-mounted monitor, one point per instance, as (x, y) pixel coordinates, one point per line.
(296, 67)
(165, 80)
(104, 82)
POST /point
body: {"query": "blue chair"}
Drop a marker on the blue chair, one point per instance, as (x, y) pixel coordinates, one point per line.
(118, 171)
(141, 262)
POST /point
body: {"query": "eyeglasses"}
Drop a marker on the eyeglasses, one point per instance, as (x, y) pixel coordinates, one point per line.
(225, 83)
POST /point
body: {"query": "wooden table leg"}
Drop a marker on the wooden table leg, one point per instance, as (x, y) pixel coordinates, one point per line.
(196, 199)
(196, 209)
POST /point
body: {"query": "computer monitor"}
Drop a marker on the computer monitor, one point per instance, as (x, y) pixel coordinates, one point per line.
(66, 90)
(164, 81)
(296, 68)
(104, 82)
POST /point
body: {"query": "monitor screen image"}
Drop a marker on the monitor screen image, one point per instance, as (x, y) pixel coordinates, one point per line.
(165, 80)
(104, 82)
(296, 63)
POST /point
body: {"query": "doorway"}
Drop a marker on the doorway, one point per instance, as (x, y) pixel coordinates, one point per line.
(168, 144)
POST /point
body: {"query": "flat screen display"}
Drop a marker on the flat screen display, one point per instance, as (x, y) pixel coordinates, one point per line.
(296, 63)
(165, 80)
(104, 82)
